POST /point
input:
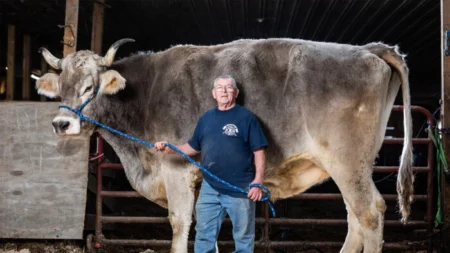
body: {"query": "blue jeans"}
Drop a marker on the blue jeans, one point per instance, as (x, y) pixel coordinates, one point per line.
(212, 208)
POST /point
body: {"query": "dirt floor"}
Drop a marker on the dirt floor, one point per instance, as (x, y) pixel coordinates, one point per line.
(42, 246)
(63, 247)
(79, 247)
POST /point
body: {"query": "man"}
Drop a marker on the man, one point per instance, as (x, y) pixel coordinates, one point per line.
(232, 144)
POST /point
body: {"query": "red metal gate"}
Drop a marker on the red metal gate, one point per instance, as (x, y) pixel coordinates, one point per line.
(98, 240)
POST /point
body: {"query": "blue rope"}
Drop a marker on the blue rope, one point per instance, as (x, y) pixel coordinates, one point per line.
(148, 144)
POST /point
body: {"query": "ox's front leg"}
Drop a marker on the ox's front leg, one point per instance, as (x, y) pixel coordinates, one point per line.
(180, 185)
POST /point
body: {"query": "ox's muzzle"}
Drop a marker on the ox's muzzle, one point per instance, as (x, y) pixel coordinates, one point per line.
(63, 125)
(60, 126)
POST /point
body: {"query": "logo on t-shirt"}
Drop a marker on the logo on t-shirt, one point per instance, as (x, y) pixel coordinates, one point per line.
(230, 130)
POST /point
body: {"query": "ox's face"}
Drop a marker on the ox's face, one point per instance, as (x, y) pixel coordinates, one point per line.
(82, 73)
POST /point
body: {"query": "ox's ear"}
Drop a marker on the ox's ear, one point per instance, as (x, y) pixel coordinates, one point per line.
(111, 82)
(47, 85)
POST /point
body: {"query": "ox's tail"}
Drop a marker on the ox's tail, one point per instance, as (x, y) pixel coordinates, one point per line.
(405, 178)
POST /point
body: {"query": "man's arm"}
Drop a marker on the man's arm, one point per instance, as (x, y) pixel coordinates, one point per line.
(260, 164)
(255, 193)
(185, 148)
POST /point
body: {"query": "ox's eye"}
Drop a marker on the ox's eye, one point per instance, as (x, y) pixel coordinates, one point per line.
(89, 88)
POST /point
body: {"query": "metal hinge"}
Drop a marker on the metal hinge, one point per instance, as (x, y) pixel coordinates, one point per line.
(71, 42)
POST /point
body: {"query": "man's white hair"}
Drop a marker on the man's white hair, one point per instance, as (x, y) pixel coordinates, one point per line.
(225, 76)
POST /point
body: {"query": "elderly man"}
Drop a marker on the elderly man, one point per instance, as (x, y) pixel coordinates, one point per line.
(232, 145)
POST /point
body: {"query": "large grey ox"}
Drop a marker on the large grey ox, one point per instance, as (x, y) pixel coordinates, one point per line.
(324, 107)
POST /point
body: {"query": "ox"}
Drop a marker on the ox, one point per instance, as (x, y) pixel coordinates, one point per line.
(324, 108)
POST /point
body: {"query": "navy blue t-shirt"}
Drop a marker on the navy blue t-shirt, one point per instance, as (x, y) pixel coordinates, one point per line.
(226, 140)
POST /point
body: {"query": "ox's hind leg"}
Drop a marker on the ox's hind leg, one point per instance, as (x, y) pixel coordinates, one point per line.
(180, 188)
(366, 208)
(355, 238)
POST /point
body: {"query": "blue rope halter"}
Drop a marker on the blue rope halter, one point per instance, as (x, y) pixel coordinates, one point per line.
(148, 144)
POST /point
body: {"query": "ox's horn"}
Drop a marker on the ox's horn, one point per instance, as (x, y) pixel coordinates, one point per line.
(108, 59)
(50, 59)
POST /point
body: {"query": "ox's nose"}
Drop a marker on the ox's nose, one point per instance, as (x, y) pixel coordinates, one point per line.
(61, 125)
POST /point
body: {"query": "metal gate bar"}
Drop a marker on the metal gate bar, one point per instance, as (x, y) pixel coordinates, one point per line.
(265, 241)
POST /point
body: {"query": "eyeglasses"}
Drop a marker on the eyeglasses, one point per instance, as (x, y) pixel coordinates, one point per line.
(225, 88)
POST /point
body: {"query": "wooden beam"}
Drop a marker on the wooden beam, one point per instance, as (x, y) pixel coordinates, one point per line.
(71, 27)
(97, 26)
(445, 26)
(11, 62)
(26, 67)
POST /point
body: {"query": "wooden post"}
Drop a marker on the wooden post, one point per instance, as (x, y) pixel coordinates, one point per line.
(11, 61)
(44, 69)
(26, 68)
(97, 27)
(445, 26)
(71, 27)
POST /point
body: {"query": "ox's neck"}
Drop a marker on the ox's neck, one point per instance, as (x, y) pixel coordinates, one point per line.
(128, 151)
(122, 112)
(127, 111)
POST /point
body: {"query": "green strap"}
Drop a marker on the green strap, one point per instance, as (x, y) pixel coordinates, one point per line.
(441, 162)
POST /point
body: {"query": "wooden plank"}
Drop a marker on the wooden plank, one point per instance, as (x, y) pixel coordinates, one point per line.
(71, 27)
(97, 27)
(26, 67)
(43, 178)
(11, 61)
(445, 26)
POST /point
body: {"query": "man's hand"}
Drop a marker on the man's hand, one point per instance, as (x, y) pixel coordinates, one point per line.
(255, 193)
(185, 148)
(161, 146)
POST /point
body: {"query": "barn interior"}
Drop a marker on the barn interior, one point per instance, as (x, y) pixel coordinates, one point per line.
(413, 25)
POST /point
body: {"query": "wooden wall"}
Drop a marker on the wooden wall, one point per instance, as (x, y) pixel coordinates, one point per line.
(43, 178)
